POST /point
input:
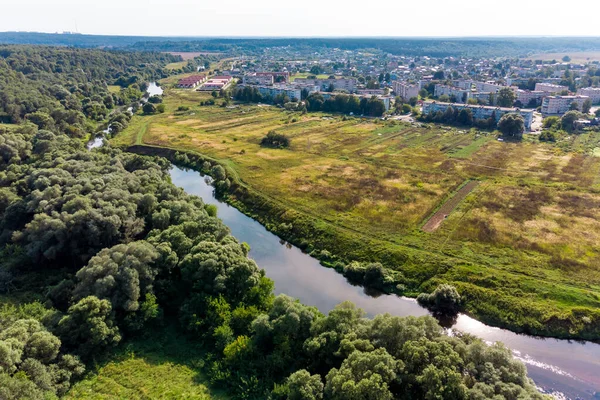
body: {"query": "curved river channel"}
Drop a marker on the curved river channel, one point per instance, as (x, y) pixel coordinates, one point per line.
(564, 368)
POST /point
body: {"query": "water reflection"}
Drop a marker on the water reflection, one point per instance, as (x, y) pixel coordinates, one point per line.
(567, 367)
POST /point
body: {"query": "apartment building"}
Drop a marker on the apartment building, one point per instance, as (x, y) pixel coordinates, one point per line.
(406, 90)
(526, 96)
(558, 105)
(292, 92)
(347, 84)
(278, 77)
(461, 95)
(480, 112)
(254, 79)
(592, 92)
(550, 88)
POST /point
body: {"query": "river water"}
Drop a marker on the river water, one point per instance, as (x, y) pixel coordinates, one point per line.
(567, 369)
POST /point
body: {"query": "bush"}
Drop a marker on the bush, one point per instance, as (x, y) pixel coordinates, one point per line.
(275, 140)
(444, 300)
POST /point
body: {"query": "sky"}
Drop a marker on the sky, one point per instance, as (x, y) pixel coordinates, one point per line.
(303, 18)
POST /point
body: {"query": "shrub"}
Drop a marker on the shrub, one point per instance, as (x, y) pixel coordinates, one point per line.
(275, 140)
(444, 300)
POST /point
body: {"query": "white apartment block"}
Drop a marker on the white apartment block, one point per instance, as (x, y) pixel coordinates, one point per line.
(406, 90)
(254, 79)
(461, 95)
(558, 105)
(549, 88)
(592, 93)
(290, 91)
(488, 87)
(347, 84)
(480, 112)
(526, 96)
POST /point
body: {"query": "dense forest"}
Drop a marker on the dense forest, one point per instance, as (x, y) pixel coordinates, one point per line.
(66, 90)
(436, 47)
(99, 247)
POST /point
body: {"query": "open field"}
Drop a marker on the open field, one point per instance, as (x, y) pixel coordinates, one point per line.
(305, 75)
(522, 247)
(576, 57)
(166, 366)
(176, 65)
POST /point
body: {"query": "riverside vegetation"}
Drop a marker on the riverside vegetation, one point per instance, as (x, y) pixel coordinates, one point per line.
(521, 249)
(101, 255)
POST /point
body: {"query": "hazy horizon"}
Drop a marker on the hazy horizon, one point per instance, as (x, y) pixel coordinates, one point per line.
(270, 18)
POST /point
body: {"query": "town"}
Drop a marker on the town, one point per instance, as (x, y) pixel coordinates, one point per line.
(413, 89)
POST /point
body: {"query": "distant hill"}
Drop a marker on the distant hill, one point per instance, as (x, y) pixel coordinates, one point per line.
(437, 47)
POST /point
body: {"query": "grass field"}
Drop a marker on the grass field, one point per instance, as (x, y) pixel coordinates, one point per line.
(176, 65)
(522, 246)
(166, 366)
(576, 57)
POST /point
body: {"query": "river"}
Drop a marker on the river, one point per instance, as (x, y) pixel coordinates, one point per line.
(567, 369)
(98, 141)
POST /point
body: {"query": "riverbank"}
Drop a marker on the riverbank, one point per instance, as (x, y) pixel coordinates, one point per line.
(335, 247)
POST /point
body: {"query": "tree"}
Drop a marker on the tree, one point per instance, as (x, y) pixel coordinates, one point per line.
(122, 274)
(597, 113)
(364, 375)
(423, 93)
(574, 107)
(275, 140)
(149, 108)
(465, 117)
(566, 58)
(569, 119)
(438, 75)
(89, 326)
(315, 69)
(444, 300)
(304, 386)
(506, 97)
(587, 106)
(512, 124)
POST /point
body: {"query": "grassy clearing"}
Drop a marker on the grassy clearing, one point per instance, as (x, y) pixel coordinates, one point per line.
(176, 65)
(523, 246)
(576, 57)
(114, 88)
(307, 74)
(166, 366)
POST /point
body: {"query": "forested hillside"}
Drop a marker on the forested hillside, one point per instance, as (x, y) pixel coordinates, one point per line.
(67, 90)
(99, 248)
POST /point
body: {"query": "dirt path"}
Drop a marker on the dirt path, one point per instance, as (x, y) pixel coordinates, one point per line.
(436, 219)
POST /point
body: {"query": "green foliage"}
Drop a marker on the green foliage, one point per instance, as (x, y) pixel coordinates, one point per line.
(512, 124)
(569, 119)
(506, 97)
(89, 327)
(275, 140)
(304, 386)
(444, 299)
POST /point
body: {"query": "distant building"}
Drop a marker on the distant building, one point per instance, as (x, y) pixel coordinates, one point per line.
(406, 90)
(292, 92)
(217, 83)
(592, 92)
(480, 112)
(190, 82)
(558, 105)
(370, 92)
(526, 96)
(278, 77)
(347, 84)
(550, 88)
(254, 79)
(460, 95)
